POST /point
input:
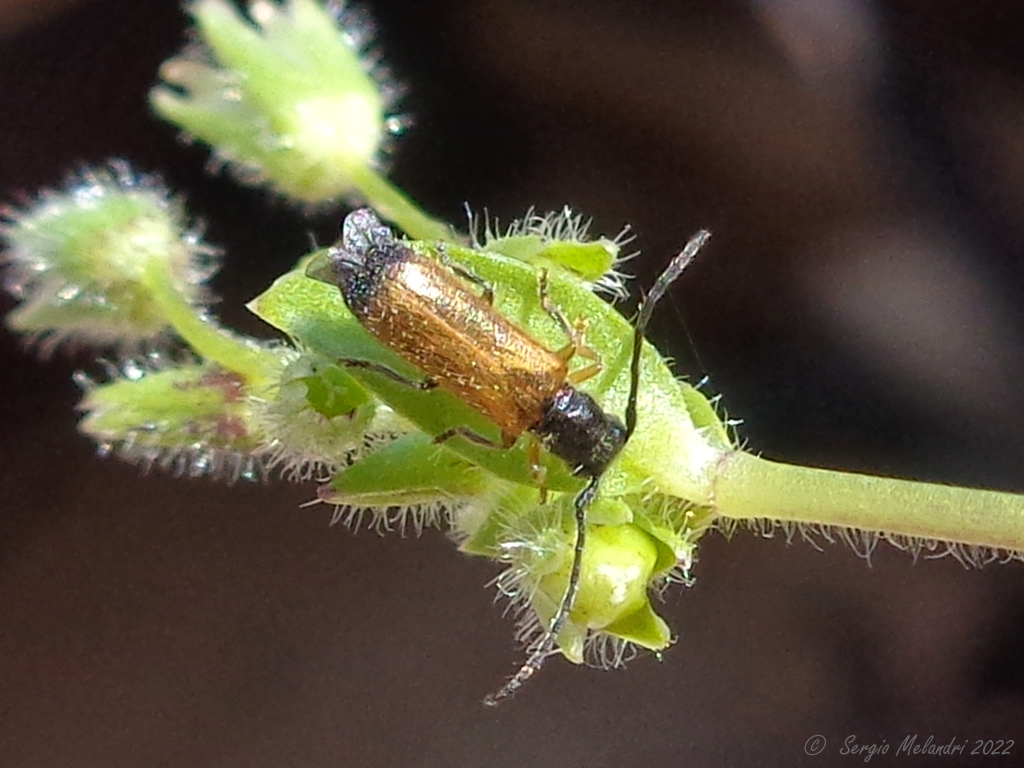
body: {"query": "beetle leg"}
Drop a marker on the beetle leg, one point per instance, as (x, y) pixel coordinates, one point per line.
(369, 365)
(577, 345)
(465, 274)
(538, 471)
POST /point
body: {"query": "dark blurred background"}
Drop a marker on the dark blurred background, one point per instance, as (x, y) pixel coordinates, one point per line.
(860, 307)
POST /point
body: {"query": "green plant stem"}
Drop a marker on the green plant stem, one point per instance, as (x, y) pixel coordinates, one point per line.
(232, 352)
(391, 203)
(750, 487)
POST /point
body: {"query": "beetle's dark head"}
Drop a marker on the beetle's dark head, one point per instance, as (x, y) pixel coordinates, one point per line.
(365, 239)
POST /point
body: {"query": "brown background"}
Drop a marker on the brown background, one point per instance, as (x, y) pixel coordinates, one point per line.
(860, 307)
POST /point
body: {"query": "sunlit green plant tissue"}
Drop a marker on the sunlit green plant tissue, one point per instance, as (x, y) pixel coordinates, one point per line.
(291, 96)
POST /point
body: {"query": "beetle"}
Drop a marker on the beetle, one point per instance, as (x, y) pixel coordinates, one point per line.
(424, 310)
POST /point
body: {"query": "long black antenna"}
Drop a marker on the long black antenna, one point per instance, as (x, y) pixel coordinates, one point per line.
(546, 646)
(547, 642)
(661, 285)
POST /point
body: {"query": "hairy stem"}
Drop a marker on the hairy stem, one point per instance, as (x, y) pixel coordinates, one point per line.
(393, 204)
(231, 351)
(750, 487)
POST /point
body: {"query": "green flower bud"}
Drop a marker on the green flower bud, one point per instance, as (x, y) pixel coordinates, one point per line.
(189, 419)
(621, 564)
(292, 97)
(618, 568)
(81, 260)
(317, 418)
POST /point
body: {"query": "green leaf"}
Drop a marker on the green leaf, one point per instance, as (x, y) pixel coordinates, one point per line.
(410, 470)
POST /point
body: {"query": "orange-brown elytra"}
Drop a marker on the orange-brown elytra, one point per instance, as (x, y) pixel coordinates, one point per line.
(424, 311)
